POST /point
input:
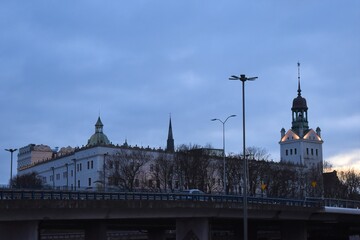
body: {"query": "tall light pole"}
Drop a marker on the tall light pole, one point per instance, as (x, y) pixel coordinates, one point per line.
(224, 157)
(11, 150)
(243, 79)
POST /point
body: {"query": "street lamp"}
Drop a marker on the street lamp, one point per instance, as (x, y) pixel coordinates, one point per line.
(11, 150)
(224, 160)
(243, 79)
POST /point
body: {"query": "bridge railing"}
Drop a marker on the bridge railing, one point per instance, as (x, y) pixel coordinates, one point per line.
(341, 203)
(12, 194)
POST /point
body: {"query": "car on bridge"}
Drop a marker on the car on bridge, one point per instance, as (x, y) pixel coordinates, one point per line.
(191, 194)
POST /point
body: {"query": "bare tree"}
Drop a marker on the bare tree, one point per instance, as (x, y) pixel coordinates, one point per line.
(191, 164)
(256, 174)
(327, 166)
(212, 185)
(314, 181)
(234, 174)
(351, 181)
(283, 180)
(257, 153)
(259, 172)
(163, 171)
(124, 167)
(27, 181)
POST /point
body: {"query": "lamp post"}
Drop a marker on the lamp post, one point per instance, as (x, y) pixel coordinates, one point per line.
(11, 150)
(243, 79)
(224, 157)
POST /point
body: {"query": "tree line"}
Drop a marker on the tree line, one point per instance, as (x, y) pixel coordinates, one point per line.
(193, 166)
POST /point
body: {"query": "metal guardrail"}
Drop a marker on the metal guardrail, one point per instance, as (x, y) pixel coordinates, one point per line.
(341, 203)
(12, 194)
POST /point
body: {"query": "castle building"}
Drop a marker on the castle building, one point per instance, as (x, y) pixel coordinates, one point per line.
(79, 168)
(301, 144)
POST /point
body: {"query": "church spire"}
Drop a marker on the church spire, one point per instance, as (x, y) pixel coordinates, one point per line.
(170, 141)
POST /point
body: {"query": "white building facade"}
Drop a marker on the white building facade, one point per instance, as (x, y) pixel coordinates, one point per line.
(74, 168)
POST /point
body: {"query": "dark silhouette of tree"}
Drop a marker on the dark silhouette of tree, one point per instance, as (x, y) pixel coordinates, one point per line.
(192, 163)
(282, 180)
(351, 182)
(314, 184)
(257, 158)
(212, 185)
(259, 172)
(27, 181)
(327, 166)
(234, 174)
(124, 167)
(163, 171)
(257, 153)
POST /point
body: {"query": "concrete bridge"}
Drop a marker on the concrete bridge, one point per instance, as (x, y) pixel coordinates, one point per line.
(26, 214)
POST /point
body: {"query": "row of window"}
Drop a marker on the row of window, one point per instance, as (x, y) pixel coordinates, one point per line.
(90, 165)
(78, 181)
(308, 151)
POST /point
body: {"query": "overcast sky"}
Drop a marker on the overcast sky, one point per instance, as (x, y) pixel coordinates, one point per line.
(62, 63)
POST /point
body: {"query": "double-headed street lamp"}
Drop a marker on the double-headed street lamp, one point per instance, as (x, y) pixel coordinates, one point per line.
(243, 79)
(11, 150)
(224, 157)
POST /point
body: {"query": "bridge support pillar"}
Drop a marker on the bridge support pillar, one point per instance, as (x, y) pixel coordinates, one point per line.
(294, 230)
(193, 228)
(95, 231)
(19, 230)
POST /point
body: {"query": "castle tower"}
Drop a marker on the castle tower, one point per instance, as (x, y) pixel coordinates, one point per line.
(301, 144)
(98, 138)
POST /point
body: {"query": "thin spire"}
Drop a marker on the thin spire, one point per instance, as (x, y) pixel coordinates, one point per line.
(170, 134)
(299, 89)
(170, 141)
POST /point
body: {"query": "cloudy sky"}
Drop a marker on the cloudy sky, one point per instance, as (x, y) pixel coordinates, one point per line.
(64, 63)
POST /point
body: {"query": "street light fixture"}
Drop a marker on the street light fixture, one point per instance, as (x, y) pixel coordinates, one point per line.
(11, 150)
(224, 157)
(243, 79)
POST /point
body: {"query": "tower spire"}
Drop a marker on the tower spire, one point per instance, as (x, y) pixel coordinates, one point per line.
(170, 141)
(299, 89)
(299, 111)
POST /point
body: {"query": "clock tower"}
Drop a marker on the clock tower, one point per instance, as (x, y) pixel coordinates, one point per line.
(301, 144)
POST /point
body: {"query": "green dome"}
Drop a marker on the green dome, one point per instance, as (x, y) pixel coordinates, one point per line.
(98, 138)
